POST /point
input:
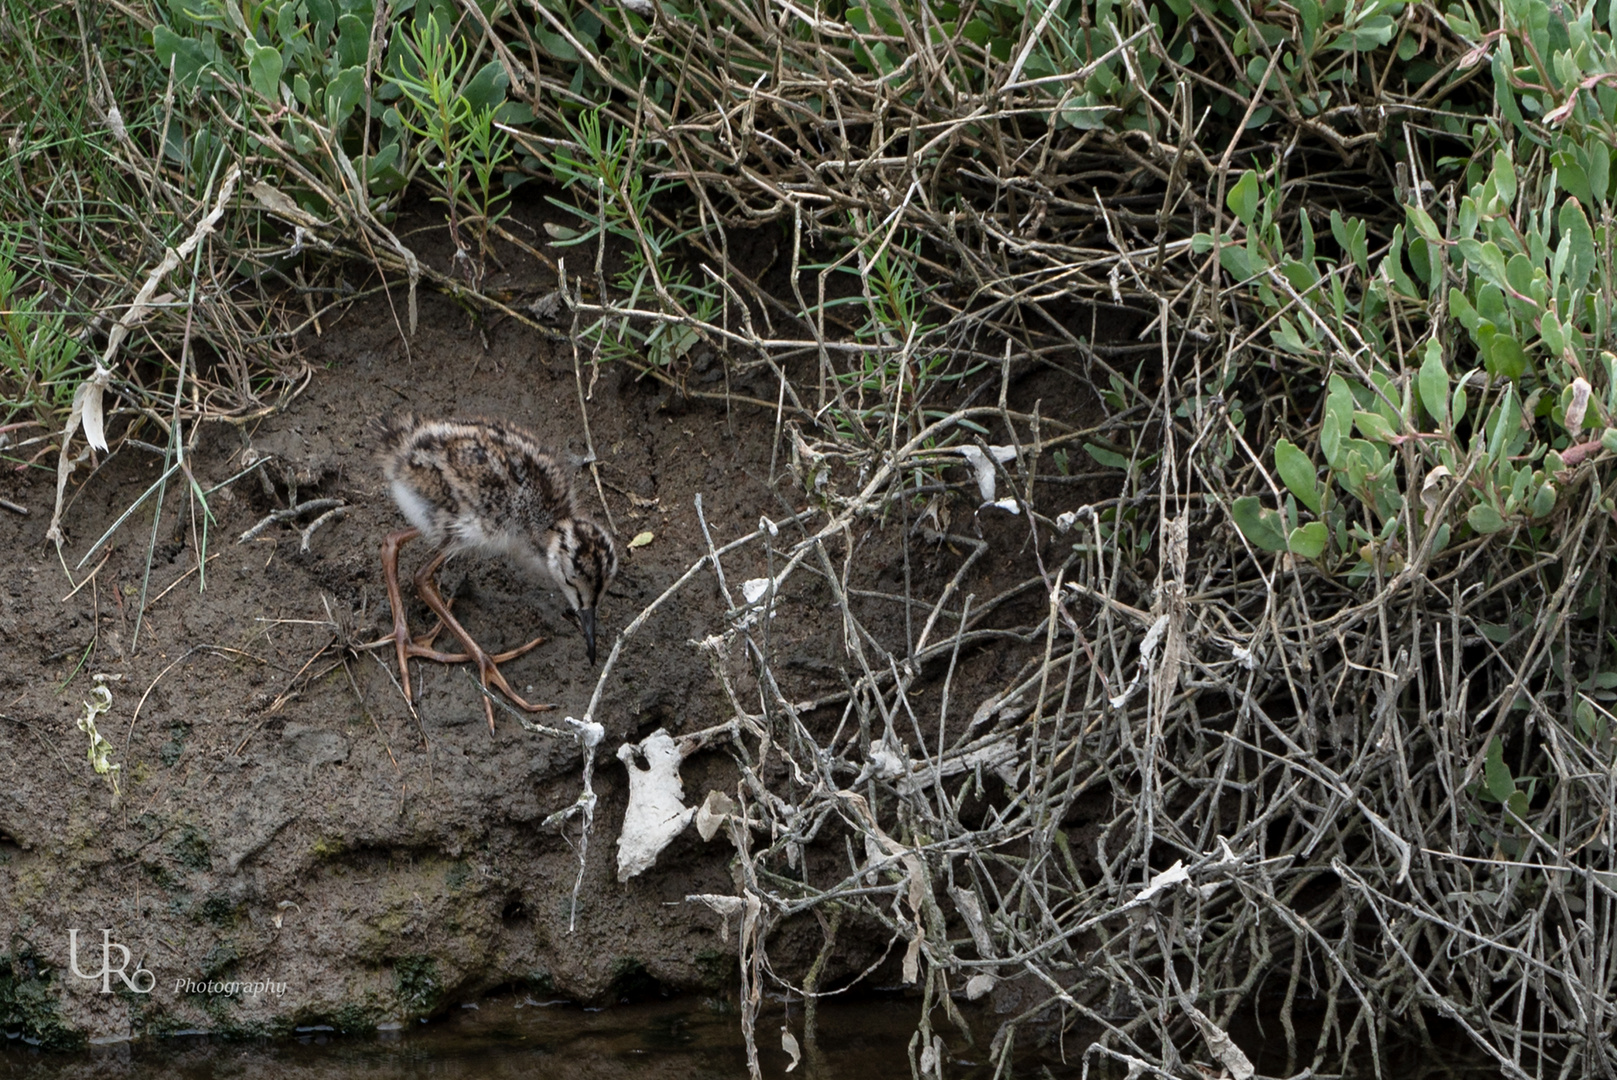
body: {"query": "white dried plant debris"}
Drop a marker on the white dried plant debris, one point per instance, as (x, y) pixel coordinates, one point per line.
(1244, 657)
(1148, 652)
(715, 810)
(971, 913)
(1065, 522)
(281, 910)
(100, 752)
(91, 388)
(875, 858)
(788, 1043)
(1218, 1041)
(657, 812)
(1161, 883)
(932, 1058)
(807, 463)
(725, 906)
(998, 708)
(1433, 487)
(886, 763)
(283, 206)
(984, 467)
(1153, 637)
(1579, 405)
(881, 850)
(977, 986)
(589, 734)
(996, 752)
(87, 408)
(752, 591)
(912, 956)
(1136, 1066)
(984, 711)
(1228, 856)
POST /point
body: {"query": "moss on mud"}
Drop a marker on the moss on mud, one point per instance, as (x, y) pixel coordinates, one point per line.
(28, 1008)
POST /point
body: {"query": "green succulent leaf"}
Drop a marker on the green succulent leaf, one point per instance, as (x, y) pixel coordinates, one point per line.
(1422, 223)
(1371, 33)
(1484, 519)
(1373, 426)
(1297, 471)
(1496, 774)
(264, 71)
(1486, 260)
(1504, 177)
(1243, 198)
(1543, 500)
(1506, 357)
(186, 55)
(1433, 384)
(353, 40)
(1308, 540)
(1580, 240)
(1111, 459)
(487, 88)
(1330, 440)
(1264, 528)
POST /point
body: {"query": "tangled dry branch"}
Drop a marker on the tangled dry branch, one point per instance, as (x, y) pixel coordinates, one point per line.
(1291, 773)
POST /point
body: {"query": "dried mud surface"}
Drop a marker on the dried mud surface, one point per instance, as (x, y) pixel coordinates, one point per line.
(284, 816)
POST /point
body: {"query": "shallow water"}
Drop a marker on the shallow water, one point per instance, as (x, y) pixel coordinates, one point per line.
(682, 1039)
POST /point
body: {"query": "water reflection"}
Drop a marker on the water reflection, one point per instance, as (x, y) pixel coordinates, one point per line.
(679, 1039)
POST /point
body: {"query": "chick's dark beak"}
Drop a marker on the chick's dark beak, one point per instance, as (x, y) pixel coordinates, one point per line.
(586, 619)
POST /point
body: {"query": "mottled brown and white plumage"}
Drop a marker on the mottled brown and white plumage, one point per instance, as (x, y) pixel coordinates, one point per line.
(490, 487)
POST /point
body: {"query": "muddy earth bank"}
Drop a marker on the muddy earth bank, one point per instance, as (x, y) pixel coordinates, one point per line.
(284, 817)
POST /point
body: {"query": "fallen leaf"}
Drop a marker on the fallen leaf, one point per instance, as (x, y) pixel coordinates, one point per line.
(912, 957)
(283, 205)
(87, 408)
(711, 814)
(788, 1043)
(641, 539)
(1432, 488)
(1579, 404)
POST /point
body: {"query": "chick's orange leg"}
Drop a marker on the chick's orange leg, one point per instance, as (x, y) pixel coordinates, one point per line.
(487, 669)
(404, 644)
